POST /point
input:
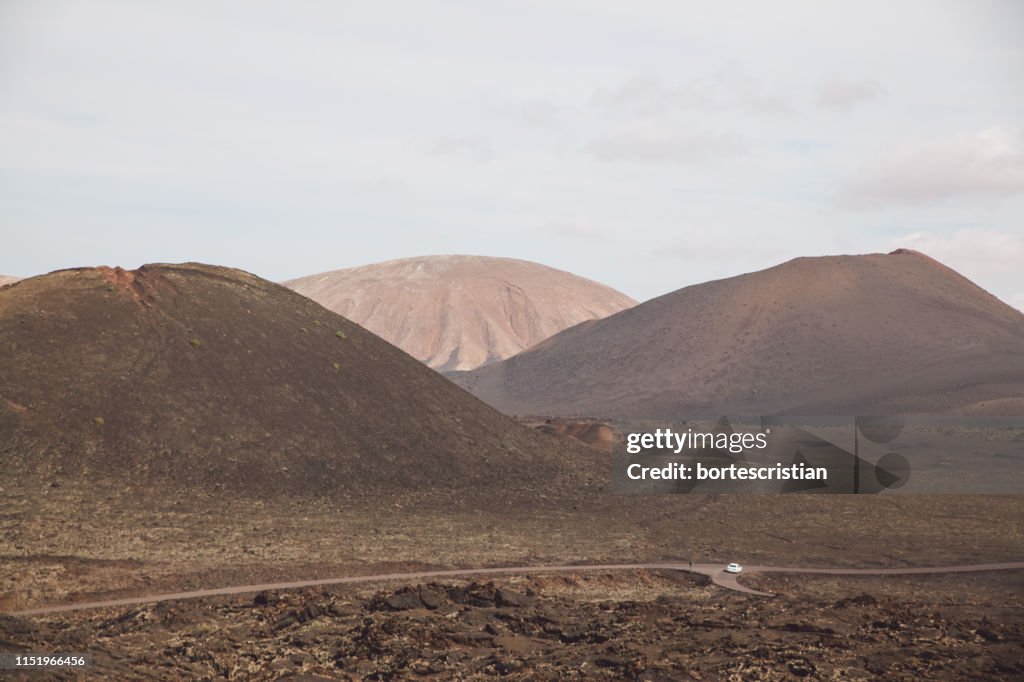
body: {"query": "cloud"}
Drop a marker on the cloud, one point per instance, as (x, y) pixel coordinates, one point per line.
(652, 143)
(731, 88)
(746, 93)
(647, 94)
(921, 171)
(841, 94)
(536, 113)
(473, 148)
(580, 227)
(972, 249)
(704, 245)
(389, 185)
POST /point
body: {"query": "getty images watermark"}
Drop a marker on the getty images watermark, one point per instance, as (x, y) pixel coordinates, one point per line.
(834, 455)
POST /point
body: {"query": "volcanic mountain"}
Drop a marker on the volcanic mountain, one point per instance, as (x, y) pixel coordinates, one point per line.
(868, 334)
(461, 312)
(193, 376)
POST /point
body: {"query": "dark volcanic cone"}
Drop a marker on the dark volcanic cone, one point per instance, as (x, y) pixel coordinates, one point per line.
(199, 376)
(872, 334)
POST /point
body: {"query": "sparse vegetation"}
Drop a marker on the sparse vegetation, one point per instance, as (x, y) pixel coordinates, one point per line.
(340, 334)
(99, 421)
(195, 342)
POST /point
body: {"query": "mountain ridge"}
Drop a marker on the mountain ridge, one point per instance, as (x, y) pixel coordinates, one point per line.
(831, 334)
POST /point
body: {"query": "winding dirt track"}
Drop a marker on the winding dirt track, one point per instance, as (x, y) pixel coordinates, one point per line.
(714, 571)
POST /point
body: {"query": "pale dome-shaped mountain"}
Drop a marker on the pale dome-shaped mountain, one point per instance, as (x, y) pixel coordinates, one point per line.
(461, 312)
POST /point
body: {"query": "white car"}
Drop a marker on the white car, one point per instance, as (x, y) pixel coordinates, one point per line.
(733, 568)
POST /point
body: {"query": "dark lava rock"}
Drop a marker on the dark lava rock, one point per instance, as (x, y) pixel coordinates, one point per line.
(403, 601)
(286, 620)
(431, 598)
(458, 594)
(800, 669)
(1008, 662)
(343, 610)
(609, 661)
(506, 597)
(496, 629)
(572, 633)
(859, 600)
(989, 635)
(302, 659)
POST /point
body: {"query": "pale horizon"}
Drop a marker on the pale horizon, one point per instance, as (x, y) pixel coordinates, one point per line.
(641, 145)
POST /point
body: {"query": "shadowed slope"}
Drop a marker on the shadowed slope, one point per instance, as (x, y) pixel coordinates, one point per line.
(193, 375)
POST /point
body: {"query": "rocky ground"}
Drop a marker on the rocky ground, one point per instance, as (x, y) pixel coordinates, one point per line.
(60, 545)
(638, 626)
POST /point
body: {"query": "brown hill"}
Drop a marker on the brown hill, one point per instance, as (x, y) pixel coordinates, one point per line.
(461, 312)
(199, 376)
(833, 335)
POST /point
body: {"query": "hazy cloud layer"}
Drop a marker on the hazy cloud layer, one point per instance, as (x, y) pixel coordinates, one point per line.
(578, 227)
(303, 138)
(702, 244)
(472, 148)
(749, 94)
(534, 113)
(651, 143)
(731, 87)
(973, 249)
(841, 94)
(648, 94)
(924, 170)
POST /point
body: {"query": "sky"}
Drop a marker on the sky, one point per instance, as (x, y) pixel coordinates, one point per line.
(645, 144)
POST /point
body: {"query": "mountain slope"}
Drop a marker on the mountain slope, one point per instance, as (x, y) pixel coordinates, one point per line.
(832, 335)
(199, 376)
(461, 312)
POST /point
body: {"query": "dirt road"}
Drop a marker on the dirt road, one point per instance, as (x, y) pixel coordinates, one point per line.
(714, 571)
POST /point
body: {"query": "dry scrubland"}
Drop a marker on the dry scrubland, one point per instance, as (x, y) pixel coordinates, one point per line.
(60, 544)
(640, 625)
